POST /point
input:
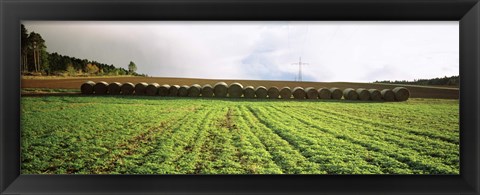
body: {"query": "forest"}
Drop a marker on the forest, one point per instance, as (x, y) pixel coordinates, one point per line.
(35, 60)
(451, 81)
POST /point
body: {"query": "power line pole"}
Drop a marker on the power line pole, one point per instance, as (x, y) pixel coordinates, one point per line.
(299, 63)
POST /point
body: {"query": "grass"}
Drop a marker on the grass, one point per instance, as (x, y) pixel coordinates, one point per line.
(154, 135)
(48, 90)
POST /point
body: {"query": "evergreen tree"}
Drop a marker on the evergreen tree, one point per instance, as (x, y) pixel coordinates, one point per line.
(132, 67)
(37, 51)
(24, 48)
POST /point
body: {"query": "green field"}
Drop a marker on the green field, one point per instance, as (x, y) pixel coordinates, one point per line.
(155, 135)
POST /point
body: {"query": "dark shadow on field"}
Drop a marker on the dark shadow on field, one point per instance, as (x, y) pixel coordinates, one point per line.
(168, 98)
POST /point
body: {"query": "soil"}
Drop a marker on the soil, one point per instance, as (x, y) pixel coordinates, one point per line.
(75, 83)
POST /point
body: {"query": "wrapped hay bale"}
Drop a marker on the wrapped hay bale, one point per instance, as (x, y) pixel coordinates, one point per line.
(273, 92)
(152, 89)
(164, 90)
(285, 93)
(207, 91)
(87, 87)
(140, 88)
(183, 91)
(311, 92)
(375, 95)
(235, 90)
(363, 94)
(173, 91)
(299, 93)
(261, 92)
(114, 88)
(388, 95)
(127, 88)
(336, 93)
(249, 92)
(350, 94)
(324, 93)
(401, 93)
(220, 89)
(194, 90)
(100, 88)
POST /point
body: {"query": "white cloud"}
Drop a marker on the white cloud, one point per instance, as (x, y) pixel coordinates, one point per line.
(335, 51)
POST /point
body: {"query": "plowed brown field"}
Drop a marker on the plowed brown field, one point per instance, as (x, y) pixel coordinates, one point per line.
(74, 83)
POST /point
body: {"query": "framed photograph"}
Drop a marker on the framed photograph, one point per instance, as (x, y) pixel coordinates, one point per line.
(247, 97)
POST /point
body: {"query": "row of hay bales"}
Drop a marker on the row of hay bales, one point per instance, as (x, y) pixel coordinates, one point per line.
(236, 90)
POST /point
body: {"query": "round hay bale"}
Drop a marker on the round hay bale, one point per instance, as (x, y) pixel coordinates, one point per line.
(140, 88)
(388, 95)
(173, 91)
(312, 93)
(220, 89)
(299, 93)
(285, 93)
(401, 93)
(194, 90)
(235, 90)
(152, 89)
(273, 92)
(350, 94)
(336, 93)
(114, 88)
(249, 92)
(324, 93)
(261, 92)
(164, 90)
(183, 91)
(363, 94)
(375, 95)
(87, 87)
(100, 88)
(207, 91)
(127, 88)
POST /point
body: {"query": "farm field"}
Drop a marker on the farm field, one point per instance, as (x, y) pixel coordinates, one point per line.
(162, 135)
(439, 92)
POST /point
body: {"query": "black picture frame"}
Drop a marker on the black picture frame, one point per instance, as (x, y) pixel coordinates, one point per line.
(465, 11)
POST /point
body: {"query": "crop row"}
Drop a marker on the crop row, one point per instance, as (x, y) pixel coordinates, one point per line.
(144, 135)
(444, 151)
(61, 138)
(419, 163)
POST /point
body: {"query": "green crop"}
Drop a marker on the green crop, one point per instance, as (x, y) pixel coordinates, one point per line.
(163, 135)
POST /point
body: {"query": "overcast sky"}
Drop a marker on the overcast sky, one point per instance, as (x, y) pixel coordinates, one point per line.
(335, 51)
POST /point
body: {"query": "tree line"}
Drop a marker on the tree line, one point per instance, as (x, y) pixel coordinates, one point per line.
(35, 60)
(452, 81)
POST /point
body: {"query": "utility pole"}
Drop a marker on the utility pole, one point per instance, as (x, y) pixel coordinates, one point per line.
(299, 63)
